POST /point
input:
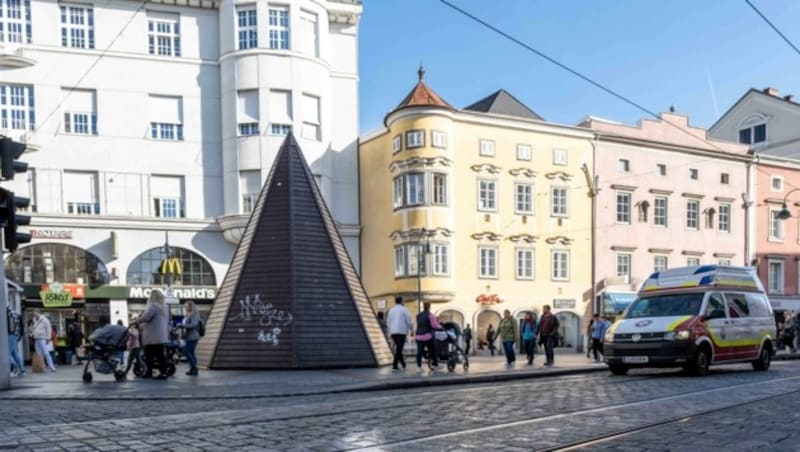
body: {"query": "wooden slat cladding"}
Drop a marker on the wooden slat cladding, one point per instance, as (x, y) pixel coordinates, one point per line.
(291, 298)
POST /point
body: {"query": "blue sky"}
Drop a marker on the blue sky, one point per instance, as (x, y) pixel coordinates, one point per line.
(656, 53)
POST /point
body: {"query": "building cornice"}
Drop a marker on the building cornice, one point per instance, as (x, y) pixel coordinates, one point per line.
(693, 195)
(120, 222)
(692, 253)
(624, 187)
(725, 255)
(639, 143)
(660, 250)
(658, 191)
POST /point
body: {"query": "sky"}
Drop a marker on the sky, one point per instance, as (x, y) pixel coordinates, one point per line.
(700, 56)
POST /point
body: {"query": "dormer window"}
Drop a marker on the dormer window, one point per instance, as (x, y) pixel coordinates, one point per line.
(753, 129)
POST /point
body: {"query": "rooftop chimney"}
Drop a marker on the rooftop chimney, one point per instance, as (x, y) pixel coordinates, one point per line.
(772, 91)
(788, 97)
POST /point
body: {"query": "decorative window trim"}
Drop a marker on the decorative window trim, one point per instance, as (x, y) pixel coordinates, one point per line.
(560, 157)
(413, 144)
(660, 250)
(495, 197)
(397, 143)
(658, 191)
(440, 133)
(524, 238)
(496, 254)
(521, 156)
(517, 267)
(696, 253)
(486, 148)
(560, 239)
(553, 276)
(531, 198)
(486, 168)
(630, 188)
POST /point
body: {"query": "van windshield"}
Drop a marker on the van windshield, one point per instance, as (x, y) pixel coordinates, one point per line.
(665, 306)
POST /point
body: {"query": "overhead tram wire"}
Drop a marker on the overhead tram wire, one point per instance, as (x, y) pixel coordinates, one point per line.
(86, 73)
(594, 82)
(774, 27)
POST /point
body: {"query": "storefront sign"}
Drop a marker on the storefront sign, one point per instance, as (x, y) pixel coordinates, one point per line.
(488, 299)
(192, 293)
(564, 304)
(171, 266)
(57, 234)
(55, 296)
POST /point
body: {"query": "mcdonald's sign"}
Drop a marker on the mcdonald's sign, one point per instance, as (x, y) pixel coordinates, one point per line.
(171, 266)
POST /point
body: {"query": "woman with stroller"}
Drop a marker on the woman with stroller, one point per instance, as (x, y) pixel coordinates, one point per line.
(154, 322)
(191, 329)
(528, 335)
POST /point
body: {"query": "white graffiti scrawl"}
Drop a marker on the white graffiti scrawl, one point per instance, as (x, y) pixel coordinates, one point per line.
(267, 318)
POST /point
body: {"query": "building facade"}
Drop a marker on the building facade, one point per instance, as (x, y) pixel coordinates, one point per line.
(667, 197)
(477, 210)
(148, 118)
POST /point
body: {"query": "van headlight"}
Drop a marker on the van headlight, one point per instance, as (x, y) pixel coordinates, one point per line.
(609, 337)
(683, 335)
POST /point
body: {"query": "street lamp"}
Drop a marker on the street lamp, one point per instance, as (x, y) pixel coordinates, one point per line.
(426, 249)
(784, 213)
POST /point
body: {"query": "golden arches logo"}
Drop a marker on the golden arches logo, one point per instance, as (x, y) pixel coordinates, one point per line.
(171, 266)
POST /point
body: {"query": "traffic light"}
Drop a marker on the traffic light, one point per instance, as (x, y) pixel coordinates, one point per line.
(10, 151)
(9, 219)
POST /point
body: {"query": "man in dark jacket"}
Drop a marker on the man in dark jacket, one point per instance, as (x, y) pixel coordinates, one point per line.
(548, 333)
(467, 339)
(76, 341)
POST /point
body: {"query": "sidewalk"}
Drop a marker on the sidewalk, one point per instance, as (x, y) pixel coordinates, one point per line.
(66, 383)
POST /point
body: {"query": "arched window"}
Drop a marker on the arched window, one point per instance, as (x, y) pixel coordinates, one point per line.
(195, 270)
(47, 263)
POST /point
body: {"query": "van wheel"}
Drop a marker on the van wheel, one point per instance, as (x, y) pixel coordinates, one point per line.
(701, 361)
(618, 369)
(764, 358)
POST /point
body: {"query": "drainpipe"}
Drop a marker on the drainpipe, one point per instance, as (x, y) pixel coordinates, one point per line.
(591, 182)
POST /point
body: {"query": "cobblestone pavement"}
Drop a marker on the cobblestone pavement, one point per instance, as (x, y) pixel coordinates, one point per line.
(655, 408)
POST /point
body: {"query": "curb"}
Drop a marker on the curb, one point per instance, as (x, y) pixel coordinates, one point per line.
(359, 387)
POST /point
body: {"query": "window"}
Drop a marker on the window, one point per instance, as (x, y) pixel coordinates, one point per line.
(441, 259)
(775, 277)
(523, 199)
(247, 113)
(278, 27)
(166, 117)
(77, 26)
(397, 143)
(559, 157)
(398, 191)
(13, 19)
(692, 261)
(50, 262)
(247, 27)
(693, 173)
(753, 135)
(560, 266)
(623, 165)
(249, 188)
(80, 117)
(438, 139)
(661, 169)
(487, 148)
(776, 183)
(559, 199)
(80, 193)
(524, 152)
(415, 189)
(17, 107)
(660, 263)
(725, 262)
(758, 304)
(311, 119)
(415, 259)
(415, 139)
(624, 267)
(440, 189)
(724, 178)
(168, 194)
(399, 261)
(623, 207)
(196, 271)
(163, 34)
(309, 33)
(775, 225)
(725, 217)
(487, 195)
(280, 112)
(487, 262)
(692, 214)
(524, 263)
(660, 211)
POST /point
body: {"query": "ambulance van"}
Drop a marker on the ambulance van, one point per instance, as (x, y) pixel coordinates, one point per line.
(693, 317)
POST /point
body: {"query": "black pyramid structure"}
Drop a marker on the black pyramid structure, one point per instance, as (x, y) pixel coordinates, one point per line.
(291, 298)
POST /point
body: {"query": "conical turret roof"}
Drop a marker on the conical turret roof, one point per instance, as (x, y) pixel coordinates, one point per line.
(422, 95)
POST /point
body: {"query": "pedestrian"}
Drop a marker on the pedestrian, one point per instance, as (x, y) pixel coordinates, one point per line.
(191, 328)
(399, 324)
(155, 334)
(508, 331)
(42, 334)
(426, 326)
(382, 322)
(599, 327)
(15, 332)
(76, 342)
(134, 347)
(589, 335)
(529, 336)
(490, 339)
(467, 339)
(548, 333)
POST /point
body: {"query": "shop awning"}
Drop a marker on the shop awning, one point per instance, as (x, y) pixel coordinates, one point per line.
(614, 302)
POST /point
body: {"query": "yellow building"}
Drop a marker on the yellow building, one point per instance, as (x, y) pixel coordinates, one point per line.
(490, 202)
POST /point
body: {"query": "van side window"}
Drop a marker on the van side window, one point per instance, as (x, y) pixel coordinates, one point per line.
(737, 305)
(757, 304)
(715, 307)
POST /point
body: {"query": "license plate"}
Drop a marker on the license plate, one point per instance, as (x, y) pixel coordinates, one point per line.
(634, 359)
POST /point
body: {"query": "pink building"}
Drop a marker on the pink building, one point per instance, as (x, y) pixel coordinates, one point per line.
(667, 197)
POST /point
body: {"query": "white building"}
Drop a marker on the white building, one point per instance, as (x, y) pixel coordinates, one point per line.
(164, 116)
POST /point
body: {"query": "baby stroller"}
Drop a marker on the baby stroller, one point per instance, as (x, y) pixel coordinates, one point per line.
(447, 346)
(106, 343)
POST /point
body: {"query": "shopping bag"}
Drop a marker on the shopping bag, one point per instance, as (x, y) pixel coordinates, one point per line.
(37, 363)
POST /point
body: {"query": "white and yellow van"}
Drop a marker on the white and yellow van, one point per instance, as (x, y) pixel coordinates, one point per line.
(693, 317)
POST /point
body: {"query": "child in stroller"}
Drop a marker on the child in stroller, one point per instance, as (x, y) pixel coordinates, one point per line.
(105, 343)
(447, 346)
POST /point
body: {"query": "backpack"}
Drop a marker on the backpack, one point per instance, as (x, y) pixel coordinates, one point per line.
(201, 328)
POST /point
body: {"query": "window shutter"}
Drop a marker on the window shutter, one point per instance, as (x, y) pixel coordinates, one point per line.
(248, 110)
(80, 187)
(280, 107)
(165, 109)
(166, 187)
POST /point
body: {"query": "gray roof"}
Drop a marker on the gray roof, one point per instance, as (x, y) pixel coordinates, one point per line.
(503, 103)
